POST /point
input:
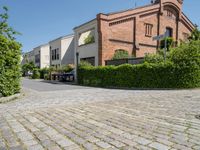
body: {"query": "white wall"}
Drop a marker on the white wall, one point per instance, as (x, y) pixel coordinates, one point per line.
(45, 56)
(43, 52)
(37, 52)
(89, 50)
(66, 50)
(54, 45)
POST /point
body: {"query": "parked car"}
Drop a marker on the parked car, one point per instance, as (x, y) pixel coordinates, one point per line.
(69, 77)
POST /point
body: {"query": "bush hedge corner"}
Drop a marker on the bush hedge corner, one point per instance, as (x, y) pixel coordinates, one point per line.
(10, 71)
(182, 70)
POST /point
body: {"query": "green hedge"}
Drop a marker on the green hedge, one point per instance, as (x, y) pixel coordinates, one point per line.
(9, 66)
(36, 74)
(141, 76)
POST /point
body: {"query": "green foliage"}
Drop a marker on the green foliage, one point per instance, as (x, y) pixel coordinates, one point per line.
(120, 54)
(157, 58)
(187, 54)
(154, 58)
(195, 35)
(28, 67)
(10, 71)
(145, 75)
(84, 63)
(36, 74)
(5, 29)
(9, 66)
(89, 39)
(170, 43)
(46, 77)
(43, 72)
(66, 68)
(182, 70)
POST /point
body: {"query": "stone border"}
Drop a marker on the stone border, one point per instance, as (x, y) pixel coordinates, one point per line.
(9, 98)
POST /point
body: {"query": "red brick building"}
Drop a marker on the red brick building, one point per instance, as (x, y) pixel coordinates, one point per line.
(131, 30)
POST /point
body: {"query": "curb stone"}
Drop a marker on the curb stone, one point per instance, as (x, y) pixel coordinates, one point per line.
(9, 98)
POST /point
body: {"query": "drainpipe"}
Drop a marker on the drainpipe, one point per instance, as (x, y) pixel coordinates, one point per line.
(76, 74)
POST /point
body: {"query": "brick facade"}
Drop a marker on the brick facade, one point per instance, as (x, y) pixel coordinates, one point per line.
(127, 30)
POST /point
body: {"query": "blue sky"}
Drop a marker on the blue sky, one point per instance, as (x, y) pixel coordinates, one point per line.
(40, 21)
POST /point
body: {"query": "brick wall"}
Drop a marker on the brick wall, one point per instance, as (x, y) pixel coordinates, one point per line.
(126, 30)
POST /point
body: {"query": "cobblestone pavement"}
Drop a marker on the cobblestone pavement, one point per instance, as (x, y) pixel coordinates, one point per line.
(95, 119)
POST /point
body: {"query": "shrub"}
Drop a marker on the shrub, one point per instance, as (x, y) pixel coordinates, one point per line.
(181, 70)
(154, 58)
(36, 74)
(67, 68)
(145, 75)
(89, 39)
(43, 72)
(120, 54)
(187, 54)
(85, 64)
(170, 43)
(10, 71)
(46, 77)
(28, 67)
(195, 36)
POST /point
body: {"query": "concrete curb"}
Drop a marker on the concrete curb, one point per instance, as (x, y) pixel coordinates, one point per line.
(9, 98)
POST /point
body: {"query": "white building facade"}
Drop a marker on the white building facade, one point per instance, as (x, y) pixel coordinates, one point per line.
(62, 51)
(42, 57)
(86, 42)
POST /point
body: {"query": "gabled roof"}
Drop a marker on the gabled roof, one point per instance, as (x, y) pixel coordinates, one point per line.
(62, 37)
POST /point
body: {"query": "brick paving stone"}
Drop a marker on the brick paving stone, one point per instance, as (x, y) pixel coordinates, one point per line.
(35, 147)
(117, 144)
(159, 146)
(25, 136)
(90, 146)
(76, 119)
(142, 140)
(103, 145)
(30, 142)
(16, 148)
(65, 143)
(72, 147)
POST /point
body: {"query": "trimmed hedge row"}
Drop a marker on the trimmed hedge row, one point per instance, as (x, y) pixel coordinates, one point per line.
(145, 75)
(10, 71)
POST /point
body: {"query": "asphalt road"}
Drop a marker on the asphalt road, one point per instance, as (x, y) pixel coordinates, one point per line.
(41, 85)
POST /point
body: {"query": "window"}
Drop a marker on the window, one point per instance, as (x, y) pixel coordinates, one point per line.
(37, 58)
(148, 30)
(169, 13)
(169, 32)
(55, 54)
(185, 36)
(90, 60)
(87, 37)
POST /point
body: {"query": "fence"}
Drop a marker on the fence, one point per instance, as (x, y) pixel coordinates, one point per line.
(118, 62)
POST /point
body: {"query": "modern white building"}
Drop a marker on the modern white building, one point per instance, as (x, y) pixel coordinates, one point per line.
(62, 51)
(28, 57)
(86, 42)
(41, 54)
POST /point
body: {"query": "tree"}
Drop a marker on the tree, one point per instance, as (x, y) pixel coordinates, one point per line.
(170, 43)
(195, 36)
(120, 54)
(28, 67)
(5, 29)
(10, 52)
